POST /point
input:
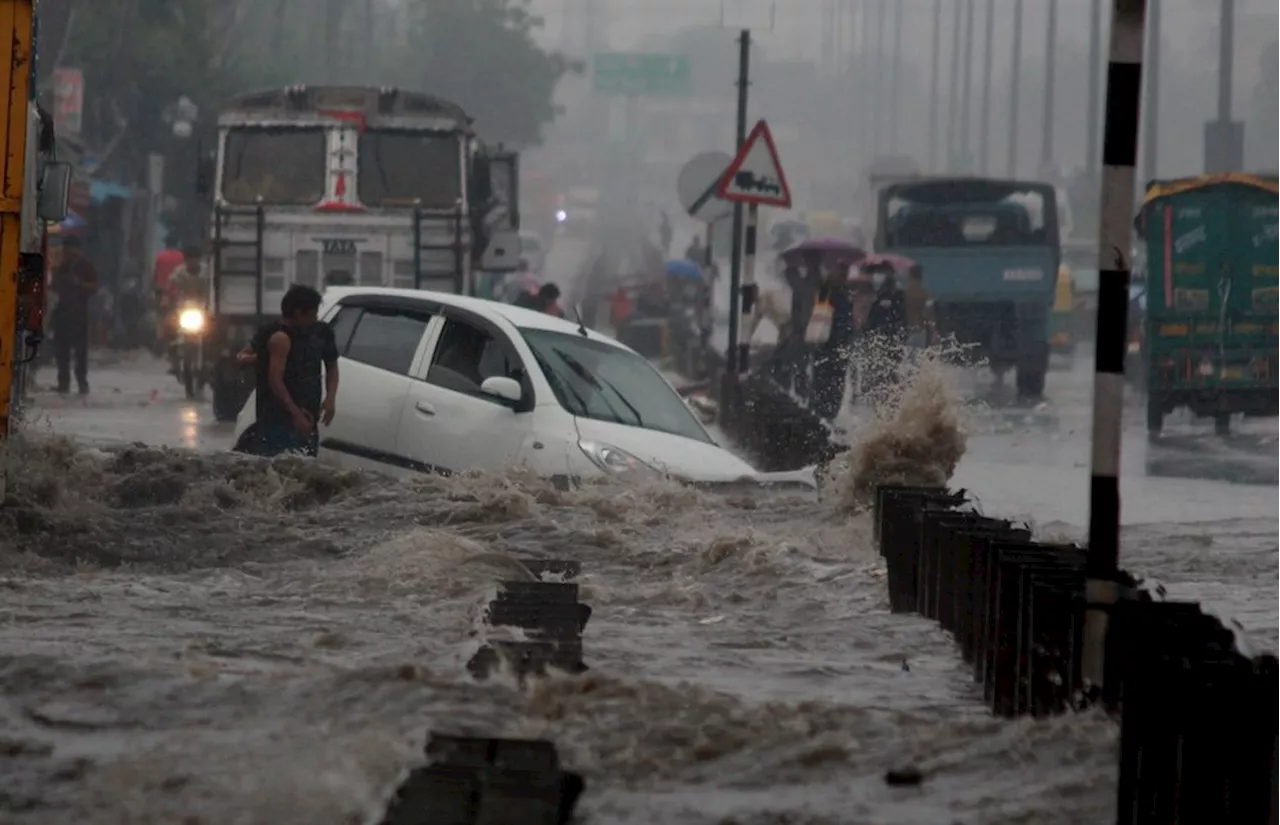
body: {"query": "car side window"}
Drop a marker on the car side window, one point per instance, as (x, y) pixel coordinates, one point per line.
(343, 324)
(467, 355)
(387, 338)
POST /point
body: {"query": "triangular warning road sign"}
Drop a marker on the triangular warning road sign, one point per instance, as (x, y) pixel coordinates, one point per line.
(756, 175)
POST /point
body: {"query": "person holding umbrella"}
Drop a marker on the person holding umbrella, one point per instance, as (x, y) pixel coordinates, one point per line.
(831, 357)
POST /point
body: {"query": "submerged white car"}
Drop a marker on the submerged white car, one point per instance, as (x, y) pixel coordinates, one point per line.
(443, 383)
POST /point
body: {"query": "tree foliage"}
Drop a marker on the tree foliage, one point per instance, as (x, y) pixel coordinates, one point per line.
(140, 56)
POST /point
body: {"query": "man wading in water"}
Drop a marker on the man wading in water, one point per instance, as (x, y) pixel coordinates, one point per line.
(288, 355)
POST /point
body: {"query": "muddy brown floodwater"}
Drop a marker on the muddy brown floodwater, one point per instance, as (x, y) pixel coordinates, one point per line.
(205, 638)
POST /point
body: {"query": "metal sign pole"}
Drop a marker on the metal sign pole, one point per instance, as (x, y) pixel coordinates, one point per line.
(1115, 234)
(735, 271)
(748, 281)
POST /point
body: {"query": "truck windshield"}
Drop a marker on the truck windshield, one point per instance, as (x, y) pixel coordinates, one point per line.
(399, 167)
(968, 213)
(283, 166)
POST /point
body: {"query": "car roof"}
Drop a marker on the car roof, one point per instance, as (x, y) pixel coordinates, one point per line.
(518, 316)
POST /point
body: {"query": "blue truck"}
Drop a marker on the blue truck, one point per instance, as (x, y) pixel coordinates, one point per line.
(990, 250)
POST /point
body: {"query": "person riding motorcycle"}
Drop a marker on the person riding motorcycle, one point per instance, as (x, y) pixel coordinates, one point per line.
(188, 289)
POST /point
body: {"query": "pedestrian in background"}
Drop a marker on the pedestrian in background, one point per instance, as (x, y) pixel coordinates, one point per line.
(75, 282)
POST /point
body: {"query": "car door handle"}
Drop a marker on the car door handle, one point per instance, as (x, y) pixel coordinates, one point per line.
(424, 408)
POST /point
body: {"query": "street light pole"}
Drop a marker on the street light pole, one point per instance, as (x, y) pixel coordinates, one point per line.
(935, 60)
(1151, 103)
(1095, 91)
(966, 97)
(895, 76)
(988, 59)
(1051, 50)
(1015, 78)
(953, 99)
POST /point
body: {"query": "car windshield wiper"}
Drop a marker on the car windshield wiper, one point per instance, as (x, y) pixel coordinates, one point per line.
(555, 382)
(575, 365)
(624, 400)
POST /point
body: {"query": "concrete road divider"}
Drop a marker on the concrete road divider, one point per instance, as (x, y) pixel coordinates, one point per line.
(1198, 715)
(482, 781)
(551, 617)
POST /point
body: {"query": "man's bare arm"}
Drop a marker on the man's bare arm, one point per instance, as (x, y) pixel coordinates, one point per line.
(331, 380)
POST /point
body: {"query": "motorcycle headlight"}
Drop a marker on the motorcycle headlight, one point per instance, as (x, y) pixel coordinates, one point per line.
(191, 320)
(615, 461)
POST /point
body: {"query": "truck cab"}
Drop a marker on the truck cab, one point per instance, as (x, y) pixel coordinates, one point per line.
(990, 252)
(1210, 329)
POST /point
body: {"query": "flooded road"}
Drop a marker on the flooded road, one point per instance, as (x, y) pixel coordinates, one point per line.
(207, 638)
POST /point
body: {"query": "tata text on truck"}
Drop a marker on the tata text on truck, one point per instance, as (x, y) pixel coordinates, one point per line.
(323, 184)
(990, 252)
(1210, 332)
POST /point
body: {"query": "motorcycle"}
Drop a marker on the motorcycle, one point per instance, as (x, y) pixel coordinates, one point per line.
(188, 348)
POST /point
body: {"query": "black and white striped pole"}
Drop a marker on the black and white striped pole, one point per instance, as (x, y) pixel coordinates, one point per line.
(1115, 235)
(734, 364)
(748, 284)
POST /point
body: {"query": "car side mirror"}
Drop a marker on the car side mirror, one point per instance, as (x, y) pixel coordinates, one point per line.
(54, 196)
(505, 389)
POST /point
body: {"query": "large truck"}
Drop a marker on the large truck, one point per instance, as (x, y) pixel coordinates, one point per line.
(46, 191)
(1210, 331)
(33, 191)
(990, 251)
(330, 184)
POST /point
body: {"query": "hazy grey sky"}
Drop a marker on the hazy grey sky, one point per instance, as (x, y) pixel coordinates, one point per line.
(1189, 28)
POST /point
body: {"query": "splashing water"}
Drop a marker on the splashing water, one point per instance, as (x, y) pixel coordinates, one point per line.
(916, 437)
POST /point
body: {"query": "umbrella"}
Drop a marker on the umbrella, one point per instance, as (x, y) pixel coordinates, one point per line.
(829, 246)
(686, 270)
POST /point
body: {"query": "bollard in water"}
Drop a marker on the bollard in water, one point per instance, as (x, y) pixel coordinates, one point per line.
(900, 537)
(944, 545)
(482, 781)
(971, 547)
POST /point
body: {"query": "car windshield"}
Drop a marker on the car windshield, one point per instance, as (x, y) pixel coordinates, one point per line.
(596, 380)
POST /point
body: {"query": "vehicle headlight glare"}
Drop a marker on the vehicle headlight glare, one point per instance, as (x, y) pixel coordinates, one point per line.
(561, 216)
(191, 320)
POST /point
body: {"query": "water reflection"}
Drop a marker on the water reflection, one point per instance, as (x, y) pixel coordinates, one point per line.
(190, 428)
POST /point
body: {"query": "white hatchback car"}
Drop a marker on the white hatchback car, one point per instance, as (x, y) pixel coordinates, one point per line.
(443, 383)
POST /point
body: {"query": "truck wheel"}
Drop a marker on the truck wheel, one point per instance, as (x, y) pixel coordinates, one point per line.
(1030, 380)
(1222, 424)
(1155, 416)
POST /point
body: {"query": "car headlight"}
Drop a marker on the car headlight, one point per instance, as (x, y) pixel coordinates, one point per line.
(614, 460)
(191, 320)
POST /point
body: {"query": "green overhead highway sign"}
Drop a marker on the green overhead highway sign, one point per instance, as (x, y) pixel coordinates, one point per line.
(630, 73)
